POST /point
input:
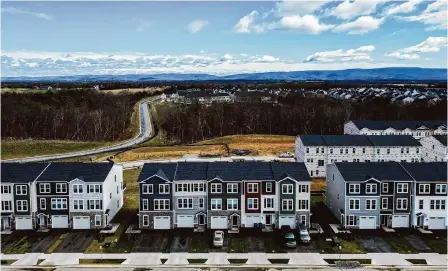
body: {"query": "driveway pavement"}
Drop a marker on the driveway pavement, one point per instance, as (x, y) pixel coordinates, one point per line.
(151, 242)
(417, 243)
(375, 244)
(77, 241)
(44, 242)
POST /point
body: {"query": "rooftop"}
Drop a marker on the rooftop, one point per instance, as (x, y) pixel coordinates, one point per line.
(427, 172)
(87, 172)
(441, 138)
(21, 173)
(382, 171)
(398, 125)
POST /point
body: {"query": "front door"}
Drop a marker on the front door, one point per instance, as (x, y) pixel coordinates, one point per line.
(268, 220)
(42, 220)
(5, 223)
(234, 221)
(201, 219)
(384, 220)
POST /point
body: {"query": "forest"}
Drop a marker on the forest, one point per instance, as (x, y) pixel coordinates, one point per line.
(84, 115)
(293, 115)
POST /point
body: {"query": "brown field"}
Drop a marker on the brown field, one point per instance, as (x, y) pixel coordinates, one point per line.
(318, 185)
(132, 90)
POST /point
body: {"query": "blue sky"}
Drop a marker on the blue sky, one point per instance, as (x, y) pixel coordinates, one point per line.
(66, 38)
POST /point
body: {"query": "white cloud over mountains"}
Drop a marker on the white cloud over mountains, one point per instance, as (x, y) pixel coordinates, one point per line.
(430, 45)
(360, 54)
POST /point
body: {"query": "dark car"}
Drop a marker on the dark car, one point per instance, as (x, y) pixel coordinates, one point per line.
(288, 236)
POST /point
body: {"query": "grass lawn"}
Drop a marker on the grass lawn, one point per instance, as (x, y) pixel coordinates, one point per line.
(7, 262)
(198, 244)
(101, 261)
(347, 246)
(417, 261)
(131, 195)
(237, 245)
(30, 147)
(21, 246)
(315, 200)
(438, 245)
(56, 243)
(400, 244)
(318, 185)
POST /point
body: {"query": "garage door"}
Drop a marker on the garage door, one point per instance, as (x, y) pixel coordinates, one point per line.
(185, 221)
(81, 222)
(24, 223)
(436, 223)
(367, 222)
(219, 222)
(251, 220)
(162, 222)
(287, 221)
(400, 221)
(59, 221)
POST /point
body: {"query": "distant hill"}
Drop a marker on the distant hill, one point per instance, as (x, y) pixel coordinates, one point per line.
(381, 74)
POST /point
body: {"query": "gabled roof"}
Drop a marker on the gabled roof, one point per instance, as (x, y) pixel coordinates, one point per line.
(441, 138)
(191, 171)
(312, 140)
(427, 172)
(297, 171)
(21, 173)
(382, 171)
(371, 124)
(393, 140)
(238, 171)
(163, 170)
(346, 140)
(87, 172)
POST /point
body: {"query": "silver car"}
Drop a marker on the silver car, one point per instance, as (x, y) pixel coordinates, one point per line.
(304, 234)
(218, 238)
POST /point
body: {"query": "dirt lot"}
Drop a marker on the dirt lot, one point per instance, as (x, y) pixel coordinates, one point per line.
(44, 243)
(152, 242)
(418, 243)
(375, 244)
(76, 241)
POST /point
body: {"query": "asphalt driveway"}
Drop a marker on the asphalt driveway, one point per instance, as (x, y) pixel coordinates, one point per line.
(76, 241)
(418, 243)
(152, 242)
(375, 244)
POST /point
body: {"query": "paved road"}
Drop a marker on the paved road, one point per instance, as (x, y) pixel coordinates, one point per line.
(146, 132)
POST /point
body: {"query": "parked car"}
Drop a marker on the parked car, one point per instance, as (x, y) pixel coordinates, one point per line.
(288, 237)
(218, 238)
(304, 234)
(286, 155)
(240, 152)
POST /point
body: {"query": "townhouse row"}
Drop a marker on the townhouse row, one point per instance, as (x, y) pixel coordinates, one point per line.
(60, 195)
(388, 194)
(223, 195)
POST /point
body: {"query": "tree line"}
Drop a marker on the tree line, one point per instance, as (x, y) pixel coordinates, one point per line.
(293, 115)
(85, 115)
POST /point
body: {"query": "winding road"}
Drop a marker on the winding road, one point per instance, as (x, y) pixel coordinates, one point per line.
(147, 132)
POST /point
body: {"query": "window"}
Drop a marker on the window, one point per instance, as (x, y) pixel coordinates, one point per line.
(164, 188)
(185, 203)
(320, 163)
(351, 220)
(43, 204)
(322, 150)
(354, 150)
(252, 188)
(216, 204)
(402, 204)
(388, 151)
(287, 188)
(44, 188)
(232, 204)
(311, 173)
(287, 205)
(407, 150)
(402, 150)
(378, 151)
(440, 188)
(385, 187)
(268, 203)
(232, 188)
(370, 204)
(363, 150)
(61, 188)
(346, 151)
(94, 188)
(437, 204)
(303, 188)
(353, 204)
(22, 205)
(145, 205)
(423, 188)
(58, 204)
(110, 195)
(6, 189)
(201, 203)
(216, 188)
(353, 188)
(161, 204)
(147, 189)
(252, 204)
(268, 187)
(78, 189)
(420, 204)
(145, 220)
(21, 189)
(317, 172)
(302, 204)
(98, 220)
(317, 150)
(417, 150)
(331, 151)
(78, 204)
(94, 204)
(402, 188)
(384, 203)
(6, 205)
(307, 150)
(370, 188)
(303, 219)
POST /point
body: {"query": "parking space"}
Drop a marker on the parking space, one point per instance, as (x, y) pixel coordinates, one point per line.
(417, 243)
(76, 241)
(153, 241)
(44, 242)
(375, 244)
(7, 241)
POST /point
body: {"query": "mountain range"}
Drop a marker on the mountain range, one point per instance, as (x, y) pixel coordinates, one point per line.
(380, 74)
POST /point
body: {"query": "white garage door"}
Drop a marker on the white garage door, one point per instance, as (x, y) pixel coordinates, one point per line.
(24, 223)
(400, 221)
(367, 222)
(251, 220)
(162, 222)
(59, 221)
(287, 221)
(436, 223)
(185, 221)
(81, 222)
(218, 222)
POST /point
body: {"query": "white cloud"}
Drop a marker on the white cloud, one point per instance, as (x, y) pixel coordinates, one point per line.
(404, 56)
(405, 7)
(360, 54)
(436, 6)
(351, 9)
(294, 7)
(430, 45)
(16, 11)
(361, 25)
(245, 24)
(196, 26)
(437, 20)
(307, 23)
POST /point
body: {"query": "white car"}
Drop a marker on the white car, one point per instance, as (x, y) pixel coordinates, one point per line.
(218, 238)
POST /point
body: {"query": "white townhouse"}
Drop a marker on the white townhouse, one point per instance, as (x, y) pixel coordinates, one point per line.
(434, 148)
(316, 151)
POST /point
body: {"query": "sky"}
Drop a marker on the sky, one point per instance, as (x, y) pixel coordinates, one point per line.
(222, 37)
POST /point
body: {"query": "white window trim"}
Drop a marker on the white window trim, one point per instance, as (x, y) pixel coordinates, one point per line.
(372, 185)
(78, 201)
(232, 201)
(299, 204)
(253, 203)
(304, 188)
(384, 201)
(8, 187)
(77, 189)
(214, 188)
(145, 218)
(423, 204)
(147, 189)
(254, 187)
(44, 190)
(403, 186)
(354, 220)
(6, 203)
(266, 201)
(62, 200)
(100, 220)
(356, 186)
(369, 203)
(424, 190)
(201, 204)
(270, 187)
(231, 188)
(354, 204)
(161, 203)
(59, 187)
(22, 205)
(94, 204)
(403, 200)
(385, 185)
(216, 201)
(22, 187)
(287, 189)
(287, 204)
(145, 201)
(440, 188)
(187, 200)
(165, 188)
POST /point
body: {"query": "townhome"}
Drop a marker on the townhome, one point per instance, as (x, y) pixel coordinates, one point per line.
(316, 151)
(434, 148)
(156, 190)
(430, 194)
(369, 195)
(18, 195)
